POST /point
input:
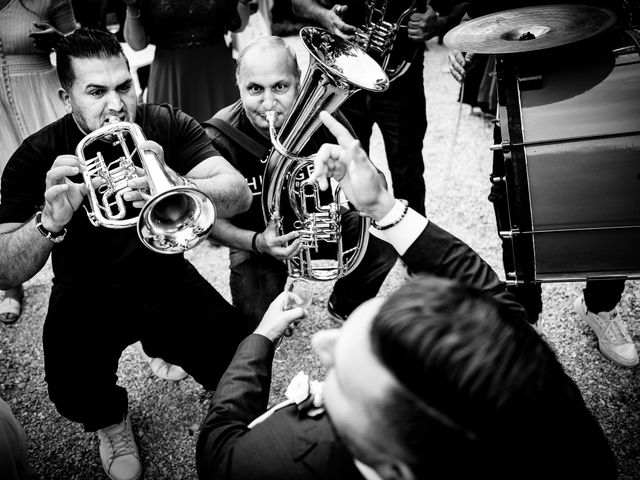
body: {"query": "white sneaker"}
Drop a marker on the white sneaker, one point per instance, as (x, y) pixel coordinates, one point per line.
(119, 452)
(613, 339)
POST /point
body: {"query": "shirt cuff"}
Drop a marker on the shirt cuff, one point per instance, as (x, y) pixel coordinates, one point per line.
(402, 235)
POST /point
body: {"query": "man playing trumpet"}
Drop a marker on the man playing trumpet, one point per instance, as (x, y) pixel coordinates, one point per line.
(109, 290)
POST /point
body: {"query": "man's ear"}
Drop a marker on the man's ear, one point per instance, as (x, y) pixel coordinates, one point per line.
(395, 470)
(65, 99)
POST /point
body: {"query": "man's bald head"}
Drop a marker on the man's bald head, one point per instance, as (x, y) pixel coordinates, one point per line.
(268, 45)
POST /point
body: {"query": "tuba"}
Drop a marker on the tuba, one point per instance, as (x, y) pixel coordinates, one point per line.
(384, 30)
(174, 218)
(337, 69)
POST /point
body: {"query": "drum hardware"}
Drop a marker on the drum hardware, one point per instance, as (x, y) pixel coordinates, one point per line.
(384, 26)
(529, 29)
(571, 208)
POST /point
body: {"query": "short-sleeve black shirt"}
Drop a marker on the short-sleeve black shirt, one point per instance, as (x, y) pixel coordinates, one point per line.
(251, 167)
(111, 257)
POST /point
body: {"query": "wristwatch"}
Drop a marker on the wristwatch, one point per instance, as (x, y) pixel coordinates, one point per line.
(54, 237)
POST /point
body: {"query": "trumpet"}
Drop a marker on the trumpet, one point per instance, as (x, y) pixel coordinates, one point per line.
(174, 218)
(383, 30)
(337, 69)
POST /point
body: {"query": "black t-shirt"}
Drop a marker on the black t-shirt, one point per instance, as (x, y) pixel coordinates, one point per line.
(99, 255)
(249, 165)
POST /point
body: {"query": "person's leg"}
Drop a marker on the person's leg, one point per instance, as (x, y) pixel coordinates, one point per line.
(255, 281)
(210, 329)
(400, 112)
(357, 109)
(13, 447)
(82, 345)
(366, 279)
(603, 295)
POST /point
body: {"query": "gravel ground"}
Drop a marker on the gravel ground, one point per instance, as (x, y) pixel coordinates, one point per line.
(166, 415)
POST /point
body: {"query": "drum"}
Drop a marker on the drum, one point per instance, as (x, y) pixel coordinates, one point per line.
(569, 120)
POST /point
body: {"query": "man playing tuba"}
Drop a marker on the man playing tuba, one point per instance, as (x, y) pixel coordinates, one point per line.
(268, 78)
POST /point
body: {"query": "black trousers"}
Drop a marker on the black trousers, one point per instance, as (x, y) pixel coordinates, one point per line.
(87, 327)
(401, 115)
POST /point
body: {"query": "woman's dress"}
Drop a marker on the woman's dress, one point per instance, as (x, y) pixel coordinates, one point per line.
(29, 84)
(193, 68)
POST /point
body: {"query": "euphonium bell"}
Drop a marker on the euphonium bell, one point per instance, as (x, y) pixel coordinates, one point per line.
(337, 69)
(174, 218)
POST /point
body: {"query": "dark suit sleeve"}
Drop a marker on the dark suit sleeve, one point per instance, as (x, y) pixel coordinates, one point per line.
(439, 253)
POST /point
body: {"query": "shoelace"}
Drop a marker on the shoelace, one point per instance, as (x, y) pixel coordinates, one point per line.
(122, 442)
(615, 330)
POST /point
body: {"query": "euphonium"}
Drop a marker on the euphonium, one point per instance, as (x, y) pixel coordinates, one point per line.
(173, 219)
(337, 69)
(382, 32)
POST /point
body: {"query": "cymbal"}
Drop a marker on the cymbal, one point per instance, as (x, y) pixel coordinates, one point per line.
(530, 28)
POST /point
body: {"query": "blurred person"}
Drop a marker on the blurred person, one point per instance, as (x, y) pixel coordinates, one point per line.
(14, 464)
(268, 78)
(109, 290)
(443, 379)
(193, 67)
(29, 30)
(597, 306)
(401, 111)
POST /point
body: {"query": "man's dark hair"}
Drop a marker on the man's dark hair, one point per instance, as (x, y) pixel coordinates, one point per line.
(479, 392)
(84, 43)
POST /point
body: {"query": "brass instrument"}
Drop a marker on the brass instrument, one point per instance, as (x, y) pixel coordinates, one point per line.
(337, 69)
(383, 30)
(174, 218)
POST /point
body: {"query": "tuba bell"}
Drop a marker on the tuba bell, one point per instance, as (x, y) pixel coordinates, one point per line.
(337, 69)
(383, 31)
(174, 218)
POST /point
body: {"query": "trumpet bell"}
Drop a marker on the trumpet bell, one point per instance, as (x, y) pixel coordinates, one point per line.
(176, 220)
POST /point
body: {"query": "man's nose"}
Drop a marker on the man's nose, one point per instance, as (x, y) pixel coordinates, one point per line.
(114, 101)
(269, 101)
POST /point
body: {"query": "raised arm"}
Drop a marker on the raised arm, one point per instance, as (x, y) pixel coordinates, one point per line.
(328, 18)
(23, 249)
(134, 32)
(227, 448)
(424, 247)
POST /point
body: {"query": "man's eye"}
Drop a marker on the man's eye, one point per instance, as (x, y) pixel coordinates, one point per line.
(124, 88)
(254, 89)
(96, 93)
(281, 87)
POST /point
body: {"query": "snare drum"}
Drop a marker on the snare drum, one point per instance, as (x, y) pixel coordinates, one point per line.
(570, 126)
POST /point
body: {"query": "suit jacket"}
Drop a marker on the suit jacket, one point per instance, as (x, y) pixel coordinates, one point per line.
(290, 445)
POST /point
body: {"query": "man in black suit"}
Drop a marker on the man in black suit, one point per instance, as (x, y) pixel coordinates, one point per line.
(443, 379)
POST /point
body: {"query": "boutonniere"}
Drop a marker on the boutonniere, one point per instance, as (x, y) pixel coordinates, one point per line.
(306, 394)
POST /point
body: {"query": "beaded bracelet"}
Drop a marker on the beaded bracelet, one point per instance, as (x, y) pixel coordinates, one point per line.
(254, 243)
(377, 226)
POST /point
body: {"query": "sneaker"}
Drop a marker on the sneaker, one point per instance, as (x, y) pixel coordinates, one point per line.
(335, 316)
(119, 452)
(167, 371)
(613, 339)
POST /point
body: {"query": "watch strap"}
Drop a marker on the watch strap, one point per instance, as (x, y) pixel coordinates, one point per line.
(54, 237)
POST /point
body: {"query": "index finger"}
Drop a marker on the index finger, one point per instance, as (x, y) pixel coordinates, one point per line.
(344, 138)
